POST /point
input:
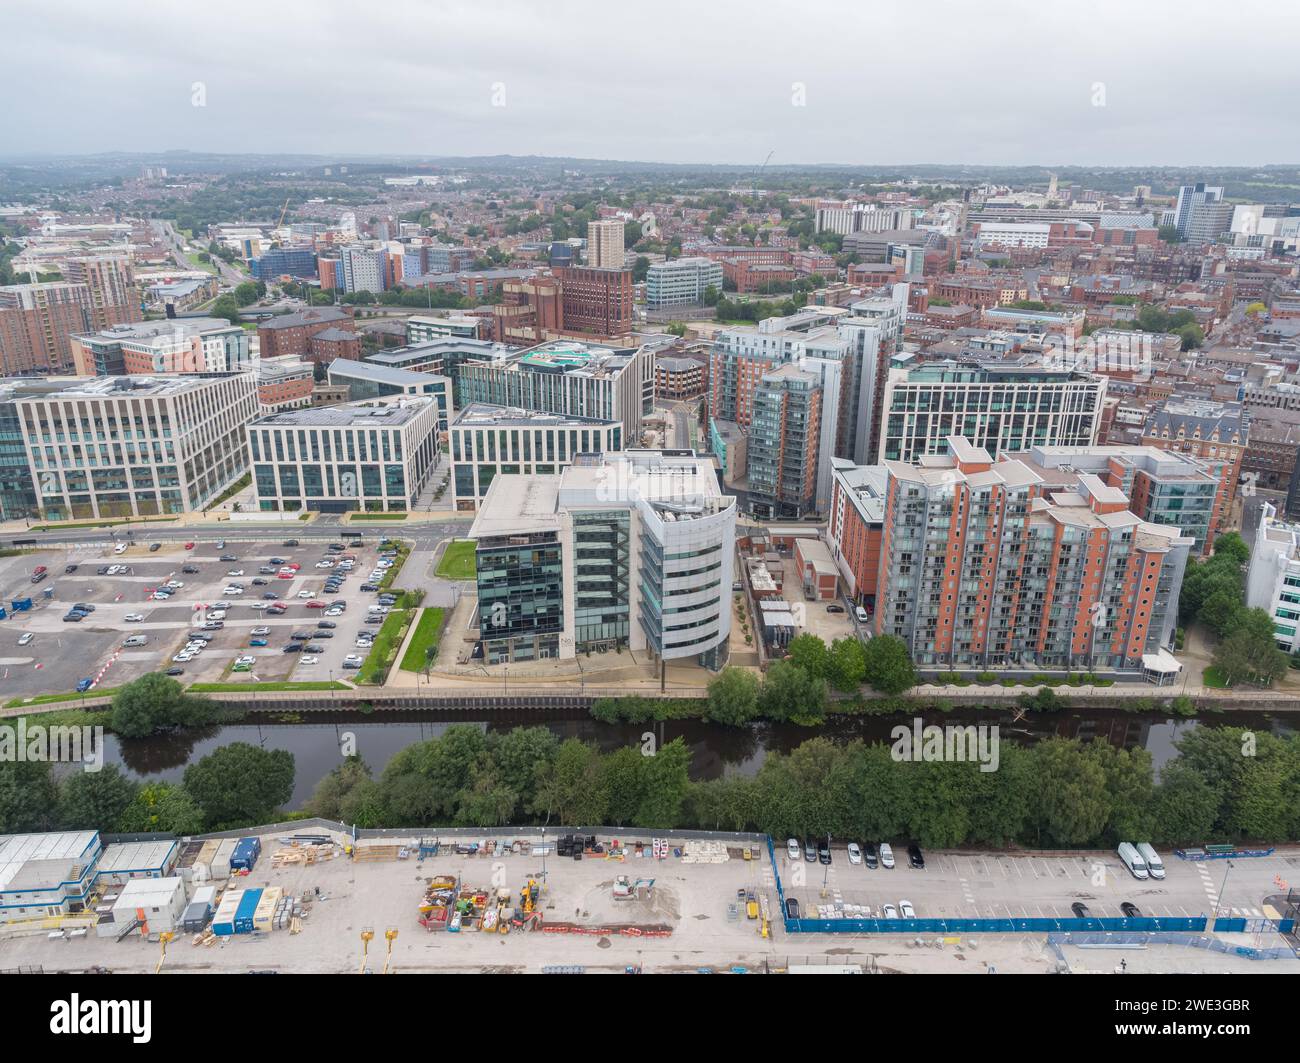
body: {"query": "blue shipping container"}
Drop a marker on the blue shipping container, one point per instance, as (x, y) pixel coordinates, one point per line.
(244, 914)
(247, 850)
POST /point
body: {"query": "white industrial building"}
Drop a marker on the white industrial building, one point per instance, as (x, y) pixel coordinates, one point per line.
(1273, 581)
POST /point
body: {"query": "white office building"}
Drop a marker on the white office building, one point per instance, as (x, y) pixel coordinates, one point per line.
(681, 282)
(487, 441)
(364, 269)
(633, 549)
(372, 456)
(1273, 581)
(134, 445)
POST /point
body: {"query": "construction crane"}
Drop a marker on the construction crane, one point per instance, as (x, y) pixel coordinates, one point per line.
(285, 210)
(367, 936)
(164, 938)
(390, 935)
(759, 172)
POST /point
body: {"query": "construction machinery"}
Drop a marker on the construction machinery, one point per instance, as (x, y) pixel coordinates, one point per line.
(530, 895)
(390, 935)
(367, 936)
(165, 937)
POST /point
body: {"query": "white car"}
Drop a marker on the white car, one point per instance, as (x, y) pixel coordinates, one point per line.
(259, 605)
(308, 660)
(174, 584)
(260, 631)
(182, 657)
(245, 659)
(855, 853)
(120, 548)
(906, 908)
(25, 638)
(219, 605)
(234, 592)
(889, 912)
(365, 644)
(333, 611)
(235, 572)
(886, 856)
(159, 596)
(353, 658)
(219, 614)
(134, 618)
(306, 594)
(324, 564)
(792, 850)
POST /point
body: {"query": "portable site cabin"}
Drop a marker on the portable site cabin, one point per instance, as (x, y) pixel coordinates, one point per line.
(220, 867)
(245, 854)
(264, 915)
(244, 913)
(223, 923)
(158, 904)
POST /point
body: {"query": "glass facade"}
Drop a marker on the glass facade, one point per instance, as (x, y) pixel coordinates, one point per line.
(520, 597)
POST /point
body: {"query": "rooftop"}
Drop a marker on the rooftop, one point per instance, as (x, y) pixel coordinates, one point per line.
(376, 414)
(483, 415)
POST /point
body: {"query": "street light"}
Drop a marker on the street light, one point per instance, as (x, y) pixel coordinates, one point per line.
(1219, 903)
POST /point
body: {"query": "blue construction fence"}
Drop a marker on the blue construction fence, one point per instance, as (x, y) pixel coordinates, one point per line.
(1227, 948)
(1032, 925)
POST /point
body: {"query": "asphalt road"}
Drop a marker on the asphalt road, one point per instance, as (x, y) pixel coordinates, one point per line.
(319, 531)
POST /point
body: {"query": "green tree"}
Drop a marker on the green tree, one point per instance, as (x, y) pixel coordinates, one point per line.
(847, 664)
(240, 784)
(164, 808)
(1247, 656)
(733, 697)
(154, 702)
(95, 800)
(1183, 806)
(1072, 806)
(28, 797)
(888, 665)
(810, 653)
(571, 788)
(788, 692)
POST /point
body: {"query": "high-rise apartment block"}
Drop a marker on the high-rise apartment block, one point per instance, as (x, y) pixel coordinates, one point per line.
(992, 565)
(605, 244)
(37, 322)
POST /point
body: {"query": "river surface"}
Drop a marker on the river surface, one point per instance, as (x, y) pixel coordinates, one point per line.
(315, 739)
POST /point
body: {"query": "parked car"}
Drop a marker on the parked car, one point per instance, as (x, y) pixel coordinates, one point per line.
(83, 607)
(906, 910)
(293, 647)
(329, 624)
(316, 605)
(25, 638)
(220, 544)
(824, 852)
(308, 660)
(85, 685)
(306, 594)
(259, 631)
(290, 542)
(175, 670)
(915, 858)
(833, 608)
(1080, 910)
(810, 850)
(791, 908)
(352, 661)
(870, 855)
(69, 568)
(855, 853)
(134, 618)
(189, 546)
(889, 912)
(313, 648)
(38, 576)
(190, 570)
(792, 849)
(1130, 910)
(886, 856)
(154, 547)
(229, 557)
(73, 617)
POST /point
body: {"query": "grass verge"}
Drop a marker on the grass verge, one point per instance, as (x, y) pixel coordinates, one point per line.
(428, 632)
(458, 560)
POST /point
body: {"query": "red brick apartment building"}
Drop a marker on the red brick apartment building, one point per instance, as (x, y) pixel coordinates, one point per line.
(290, 334)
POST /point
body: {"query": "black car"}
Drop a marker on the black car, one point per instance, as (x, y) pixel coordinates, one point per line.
(177, 670)
(278, 560)
(336, 548)
(328, 625)
(810, 850)
(1130, 910)
(83, 607)
(915, 858)
(202, 636)
(190, 569)
(824, 852)
(313, 649)
(154, 547)
(293, 647)
(324, 634)
(69, 568)
(791, 908)
(833, 608)
(369, 586)
(229, 557)
(290, 542)
(302, 636)
(270, 596)
(1080, 910)
(102, 570)
(213, 625)
(870, 855)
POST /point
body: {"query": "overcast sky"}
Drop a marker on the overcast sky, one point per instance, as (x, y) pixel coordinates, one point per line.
(1001, 81)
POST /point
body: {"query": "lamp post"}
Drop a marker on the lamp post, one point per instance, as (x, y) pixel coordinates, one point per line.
(1219, 902)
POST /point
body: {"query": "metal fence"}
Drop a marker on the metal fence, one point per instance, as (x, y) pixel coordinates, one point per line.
(1197, 941)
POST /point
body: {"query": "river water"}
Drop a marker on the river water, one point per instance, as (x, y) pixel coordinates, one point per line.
(315, 739)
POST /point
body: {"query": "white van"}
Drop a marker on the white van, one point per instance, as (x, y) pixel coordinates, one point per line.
(861, 614)
(1128, 853)
(1154, 867)
(136, 640)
